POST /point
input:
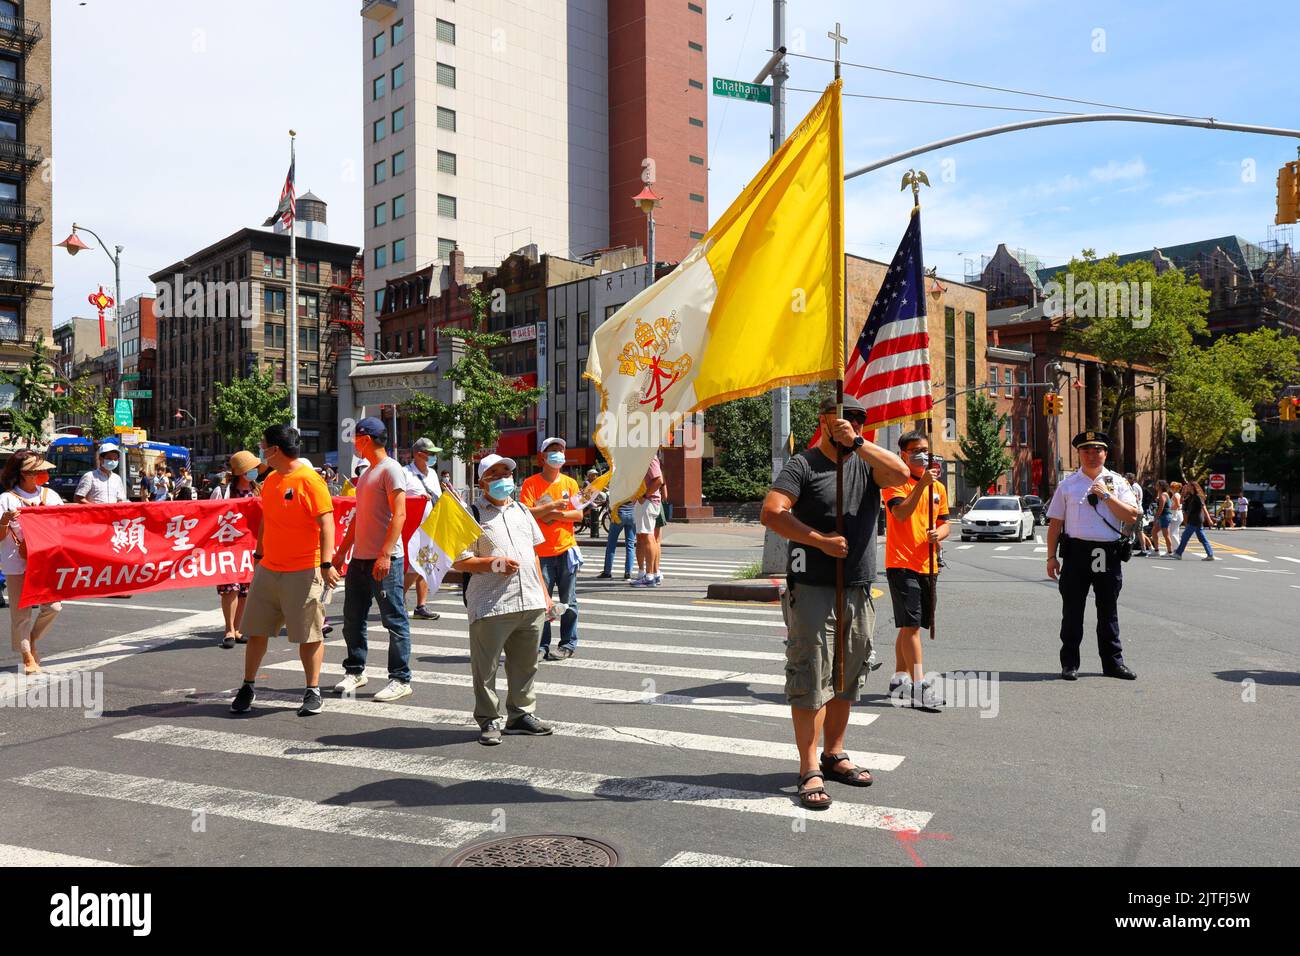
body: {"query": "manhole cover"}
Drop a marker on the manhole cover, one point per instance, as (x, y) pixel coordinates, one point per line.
(546, 849)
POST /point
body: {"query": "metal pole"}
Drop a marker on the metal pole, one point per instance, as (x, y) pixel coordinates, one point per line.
(774, 546)
(293, 297)
(117, 311)
(650, 249)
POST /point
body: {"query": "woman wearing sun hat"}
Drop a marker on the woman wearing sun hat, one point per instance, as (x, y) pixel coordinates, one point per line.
(23, 485)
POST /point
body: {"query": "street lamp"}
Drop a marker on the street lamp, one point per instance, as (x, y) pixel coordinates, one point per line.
(646, 201)
(74, 245)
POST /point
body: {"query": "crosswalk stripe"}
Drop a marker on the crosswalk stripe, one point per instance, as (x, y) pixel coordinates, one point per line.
(252, 806)
(1251, 558)
(588, 644)
(1003, 547)
(964, 547)
(27, 856)
(695, 619)
(609, 695)
(708, 743)
(658, 605)
(491, 773)
(688, 858)
(128, 606)
(1040, 550)
(1228, 576)
(586, 624)
(1283, 557)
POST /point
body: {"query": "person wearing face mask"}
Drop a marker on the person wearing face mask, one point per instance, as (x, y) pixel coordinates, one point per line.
(102, 485)
(421, 480)
(507, 604)
(375, 570)
(444, 479)
(234, 597)
(549, 497)
(23, 482)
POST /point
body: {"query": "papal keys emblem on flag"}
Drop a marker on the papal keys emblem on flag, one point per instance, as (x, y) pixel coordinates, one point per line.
(645, 355)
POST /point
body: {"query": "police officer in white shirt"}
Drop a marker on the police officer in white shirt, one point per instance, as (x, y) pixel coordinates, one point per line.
(102, 486)
(421, 480)
(1086, 518)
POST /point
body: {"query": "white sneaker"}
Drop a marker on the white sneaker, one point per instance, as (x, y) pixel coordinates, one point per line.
(644, 581)
(659, 579)
(395, 690)
(350, 684)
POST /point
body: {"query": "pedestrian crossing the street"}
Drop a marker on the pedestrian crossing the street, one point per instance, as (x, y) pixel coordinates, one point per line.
(672, 709)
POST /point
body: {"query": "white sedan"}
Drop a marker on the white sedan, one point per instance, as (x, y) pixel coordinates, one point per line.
(998, 516)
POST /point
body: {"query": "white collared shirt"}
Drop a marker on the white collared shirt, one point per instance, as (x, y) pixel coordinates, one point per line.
(1082, 520)
(425, 485)
(100, 487)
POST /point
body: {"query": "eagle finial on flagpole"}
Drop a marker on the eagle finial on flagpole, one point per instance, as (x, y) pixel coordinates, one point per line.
(914, 178)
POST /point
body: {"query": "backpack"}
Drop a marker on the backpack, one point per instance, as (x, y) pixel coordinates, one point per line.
(465, 575)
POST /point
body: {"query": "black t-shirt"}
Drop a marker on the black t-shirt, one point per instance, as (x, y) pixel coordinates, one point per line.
(809, 478)
(1193, 509)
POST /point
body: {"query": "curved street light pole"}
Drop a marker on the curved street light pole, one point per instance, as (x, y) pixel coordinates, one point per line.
(117, 287)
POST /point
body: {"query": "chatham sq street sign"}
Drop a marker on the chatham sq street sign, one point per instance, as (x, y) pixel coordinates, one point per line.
(740, 90)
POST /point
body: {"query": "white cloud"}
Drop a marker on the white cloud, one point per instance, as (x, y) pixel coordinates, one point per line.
(1112, 171)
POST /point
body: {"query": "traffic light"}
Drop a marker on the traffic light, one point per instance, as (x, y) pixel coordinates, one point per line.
(1288, 194)
(1288, 409)
(1053, 404)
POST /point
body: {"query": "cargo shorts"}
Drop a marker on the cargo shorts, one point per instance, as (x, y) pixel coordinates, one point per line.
(809, 612)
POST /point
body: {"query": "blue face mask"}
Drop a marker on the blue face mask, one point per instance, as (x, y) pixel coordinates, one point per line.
(251, 475)
(555, 458)
(109, 464)
(501, 488)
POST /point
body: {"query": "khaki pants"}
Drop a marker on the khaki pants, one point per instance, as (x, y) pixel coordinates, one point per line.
(518, 634)
(27, 624)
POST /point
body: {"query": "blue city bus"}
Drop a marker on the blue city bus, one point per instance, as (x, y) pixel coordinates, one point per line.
(74, 455)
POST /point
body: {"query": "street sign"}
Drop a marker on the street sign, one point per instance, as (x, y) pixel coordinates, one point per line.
(1218, 482)
(122, 414)
(740, 90)
(131, 377)
(146, 393)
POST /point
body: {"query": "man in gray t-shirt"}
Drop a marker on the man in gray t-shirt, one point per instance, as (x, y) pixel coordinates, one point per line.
(376, 568)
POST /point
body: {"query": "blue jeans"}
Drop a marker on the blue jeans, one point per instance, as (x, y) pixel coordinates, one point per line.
(556, 573)
(1199, 531)
(359, 590)
(625, 529)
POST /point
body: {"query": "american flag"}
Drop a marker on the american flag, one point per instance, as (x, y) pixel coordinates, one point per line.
(288, 202)
(889, 367)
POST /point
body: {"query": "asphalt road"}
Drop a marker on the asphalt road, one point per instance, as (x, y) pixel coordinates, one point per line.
(673, 742)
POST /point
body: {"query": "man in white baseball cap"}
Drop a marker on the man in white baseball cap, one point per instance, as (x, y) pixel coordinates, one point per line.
(102, 485)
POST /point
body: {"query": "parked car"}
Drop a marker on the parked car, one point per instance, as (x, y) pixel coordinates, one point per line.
(1036, 505)
(998, 516)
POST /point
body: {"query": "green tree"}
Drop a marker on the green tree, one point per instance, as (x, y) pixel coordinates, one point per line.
(983, 454)
(470, 425)
(35, 401)
(244, 407)
(1126, 345)
(1212, 393)
(100, 409)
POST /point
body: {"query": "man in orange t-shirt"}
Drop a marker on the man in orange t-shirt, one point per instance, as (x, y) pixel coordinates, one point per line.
(908, 567)
(550, 497)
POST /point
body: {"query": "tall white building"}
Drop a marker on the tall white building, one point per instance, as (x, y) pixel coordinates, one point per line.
(486, 128)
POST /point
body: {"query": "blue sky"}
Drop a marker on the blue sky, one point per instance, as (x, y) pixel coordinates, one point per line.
(171, 121)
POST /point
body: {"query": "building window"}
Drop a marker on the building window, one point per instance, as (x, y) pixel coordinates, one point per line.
(273, 266)
(1022, 377)
(273, 301)
(308, 306)
(696, 235)
(377, 91)
(446, 119)
(399, 163)
(695, 46)
(309, 340)
(970, 349)
(1006, 383)
(380, 129)
(422, 339)
(399, 206)
(696, 122)
(695, 84)
(381, 256)
(410, 341)
(561, 333)
(584, 434)
(697, 160)
(445, 248)
(399, 119)
(694, 8)
(381, 171)
(446, 32)
(379, 304)
(399, 32)
(399, 76)
(696, 197)
(273, 337)
(950, 361)
(446, 75)
(446, 162)
(446, 206)
(381, 214)
(561, 378)
(584, 327)
(309, 373)
(309, 272)
(993, 379)
(399, 250)
(1024, 430)
(377, 45)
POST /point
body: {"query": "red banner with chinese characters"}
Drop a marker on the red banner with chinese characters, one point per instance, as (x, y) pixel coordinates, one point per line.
(82, 551)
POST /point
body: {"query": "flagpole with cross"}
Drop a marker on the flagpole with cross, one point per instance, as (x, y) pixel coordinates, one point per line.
(840, 349)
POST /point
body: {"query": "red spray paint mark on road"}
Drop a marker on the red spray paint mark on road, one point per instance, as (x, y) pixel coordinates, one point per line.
(908, 837)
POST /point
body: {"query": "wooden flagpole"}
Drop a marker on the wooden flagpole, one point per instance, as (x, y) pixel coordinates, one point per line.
(837, 250)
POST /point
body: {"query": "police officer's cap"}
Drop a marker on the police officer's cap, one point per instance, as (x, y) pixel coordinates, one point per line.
(1092, 439)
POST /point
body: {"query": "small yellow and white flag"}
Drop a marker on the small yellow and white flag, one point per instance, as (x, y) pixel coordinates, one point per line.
(450, 526)
(348, 490)
(758, 304)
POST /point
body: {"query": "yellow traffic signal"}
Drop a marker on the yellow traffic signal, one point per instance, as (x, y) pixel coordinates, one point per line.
(1288, 198)
(1053, 404)
(1286, 409)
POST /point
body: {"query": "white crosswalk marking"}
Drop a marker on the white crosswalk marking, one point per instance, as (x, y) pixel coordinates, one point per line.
(1251, 558)
(274, 809)
(716, 705)
(586, 644)
(725, 610)
(709, 859)
(1003, 547)
(510, 775)
(26, 856)
(964, 547)
(1283, 557)
(694, 619)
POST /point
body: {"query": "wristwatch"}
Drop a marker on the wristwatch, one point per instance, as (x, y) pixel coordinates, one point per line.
(1106, 496)
(326, 565)
(257, 556)
(858, 442)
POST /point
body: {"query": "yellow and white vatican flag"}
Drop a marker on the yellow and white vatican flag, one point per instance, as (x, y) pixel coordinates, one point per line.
(423, 556)
(757, 304)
